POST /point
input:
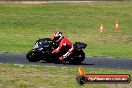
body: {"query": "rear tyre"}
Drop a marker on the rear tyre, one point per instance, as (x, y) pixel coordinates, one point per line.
(77, 58)
(32, 56)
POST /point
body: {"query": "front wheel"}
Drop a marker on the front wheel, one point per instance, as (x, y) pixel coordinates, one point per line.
(32, 56)
(77, 58)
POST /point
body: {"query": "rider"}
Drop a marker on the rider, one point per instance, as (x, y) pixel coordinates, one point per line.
(62, 42)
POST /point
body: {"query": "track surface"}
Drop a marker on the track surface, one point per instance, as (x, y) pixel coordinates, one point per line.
(92, 62)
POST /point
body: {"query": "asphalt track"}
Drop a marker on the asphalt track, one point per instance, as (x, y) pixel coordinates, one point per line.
(91, 62)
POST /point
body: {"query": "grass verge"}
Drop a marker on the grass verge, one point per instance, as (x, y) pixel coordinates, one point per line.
(22, 24)
(27, 76)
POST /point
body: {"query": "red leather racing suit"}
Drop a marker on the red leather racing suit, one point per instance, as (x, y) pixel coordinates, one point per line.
(64, 42)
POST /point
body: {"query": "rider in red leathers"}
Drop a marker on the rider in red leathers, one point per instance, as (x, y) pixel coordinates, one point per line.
(63, 42)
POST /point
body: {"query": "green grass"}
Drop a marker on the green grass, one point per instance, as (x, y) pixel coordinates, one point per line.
(22, 24)
(27, 76)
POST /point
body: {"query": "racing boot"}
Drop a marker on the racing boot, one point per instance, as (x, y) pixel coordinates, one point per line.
(62, 60)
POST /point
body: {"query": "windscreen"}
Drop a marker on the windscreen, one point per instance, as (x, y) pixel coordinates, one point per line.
(41, 43)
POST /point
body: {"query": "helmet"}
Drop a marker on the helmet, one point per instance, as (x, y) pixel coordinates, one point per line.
(58, 36)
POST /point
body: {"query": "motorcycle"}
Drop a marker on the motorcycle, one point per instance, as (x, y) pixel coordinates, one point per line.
(43, 51)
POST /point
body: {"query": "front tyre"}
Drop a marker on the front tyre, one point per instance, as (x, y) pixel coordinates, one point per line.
(32, 56)
(77, 58)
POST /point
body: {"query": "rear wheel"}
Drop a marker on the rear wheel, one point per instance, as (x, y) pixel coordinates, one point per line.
(77, 58)
(32, 56)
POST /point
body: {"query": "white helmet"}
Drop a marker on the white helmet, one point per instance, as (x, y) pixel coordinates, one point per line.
(58, 36)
